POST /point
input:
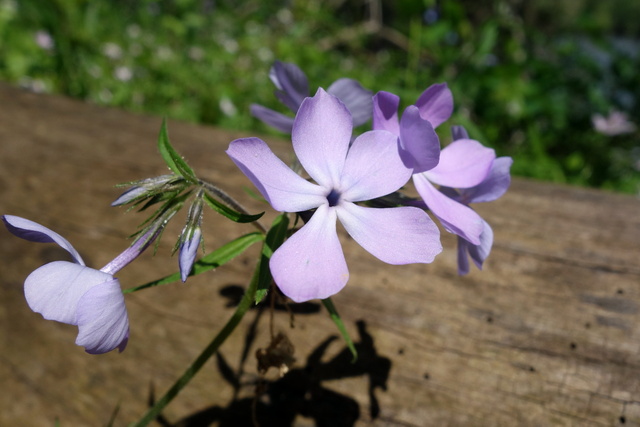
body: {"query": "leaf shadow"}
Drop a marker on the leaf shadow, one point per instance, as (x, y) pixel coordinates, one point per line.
(301, 391)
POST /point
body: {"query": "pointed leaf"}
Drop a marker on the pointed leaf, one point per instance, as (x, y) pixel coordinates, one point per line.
(225, 210)
(343, 331)
(172, 158)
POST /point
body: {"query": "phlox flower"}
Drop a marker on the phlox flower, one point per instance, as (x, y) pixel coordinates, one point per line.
(292, 87)
(72, 293)
(462, 164)
(311, 264)
(491, 188)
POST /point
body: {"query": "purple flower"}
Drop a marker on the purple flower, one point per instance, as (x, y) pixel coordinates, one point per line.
(292, 87)
(311, 264)
(415, 130)
(462, 164)
(492, 187)
(72, 293)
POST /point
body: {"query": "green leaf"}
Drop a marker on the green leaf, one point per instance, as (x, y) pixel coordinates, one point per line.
(172, 158)
(343, 331)
(275, 237)
(225, 210)
(213, 260)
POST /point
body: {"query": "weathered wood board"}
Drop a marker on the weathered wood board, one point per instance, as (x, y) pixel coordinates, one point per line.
(548, 334)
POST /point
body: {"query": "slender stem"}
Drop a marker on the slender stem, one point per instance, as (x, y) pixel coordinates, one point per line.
(206, 354)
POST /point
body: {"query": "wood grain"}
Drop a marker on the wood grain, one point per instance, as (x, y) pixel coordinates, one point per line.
(547, 334)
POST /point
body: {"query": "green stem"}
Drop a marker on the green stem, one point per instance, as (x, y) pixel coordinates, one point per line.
(209, 351)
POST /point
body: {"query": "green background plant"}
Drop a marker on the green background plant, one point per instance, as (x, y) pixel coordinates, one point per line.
(526, 76)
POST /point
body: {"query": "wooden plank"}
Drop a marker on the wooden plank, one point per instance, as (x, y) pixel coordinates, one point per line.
(548, 334)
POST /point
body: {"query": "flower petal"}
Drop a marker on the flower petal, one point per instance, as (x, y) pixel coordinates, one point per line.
(419, 140)
(321, 135)
(459, 132)
(292, 84)
(401, 235)
(373, 168)
(35, 232)
(102, 319)
(272, 118)
(284, 189)
(436, 104)
(493, 186)
(464, 163)
(480, 252)
(310, 264)
(455, 217)
(188, 252)
(54, 289)
(385, 112)
(357, 99)
(463, 256)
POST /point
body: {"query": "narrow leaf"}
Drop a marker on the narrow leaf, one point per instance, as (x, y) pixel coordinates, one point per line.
(275, 237)
(225, 210)
(213, 260)
(343, 331)
(172, 158)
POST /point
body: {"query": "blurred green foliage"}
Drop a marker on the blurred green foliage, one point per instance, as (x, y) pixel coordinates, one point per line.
(527, 77)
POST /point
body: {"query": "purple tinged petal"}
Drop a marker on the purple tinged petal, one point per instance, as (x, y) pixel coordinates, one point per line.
(463, 163)
(436, 104)
(34, 232)
(373, 168)
(310, 264)
(285, 190)
(130, 195)
(401, 235)
(357, 99)
(292, 84)
(102, 319)
(385, 112)
(188, 252)
(455, 217)
(419, 140)
(54, 289)
(459, 132)
(144, 187)
(478, 253)
(321, 135)
(494, 185)
(463, 256)
(272, 118)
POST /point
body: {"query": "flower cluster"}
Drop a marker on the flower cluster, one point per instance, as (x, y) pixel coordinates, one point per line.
(357, 180)
(371, 169)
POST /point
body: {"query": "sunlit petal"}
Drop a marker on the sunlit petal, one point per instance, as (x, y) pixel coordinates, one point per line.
(285, 190)
(455, 217)
(373, 167)
(463, 163)
(102, 319)
(35, 232)
(321, 135)
(310, 264)
(394, 235)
